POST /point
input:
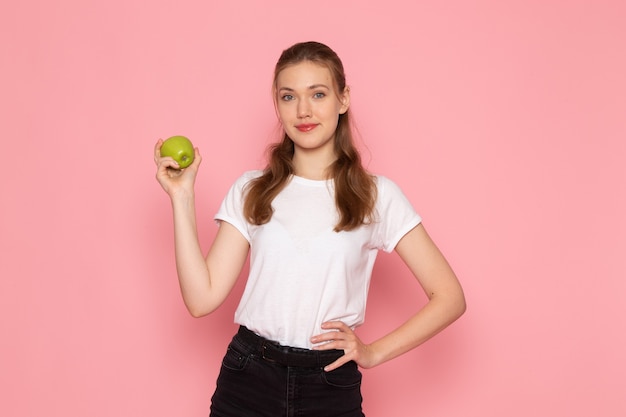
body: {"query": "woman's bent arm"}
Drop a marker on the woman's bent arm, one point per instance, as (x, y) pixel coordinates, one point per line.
(204, 282)
(446, 301)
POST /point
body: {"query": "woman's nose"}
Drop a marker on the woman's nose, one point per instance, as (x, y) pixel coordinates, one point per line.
(304, 109)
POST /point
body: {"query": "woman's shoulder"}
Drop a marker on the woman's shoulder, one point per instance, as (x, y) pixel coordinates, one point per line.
(386, 187)
(248, 176)
(383, 181)
(251, 174)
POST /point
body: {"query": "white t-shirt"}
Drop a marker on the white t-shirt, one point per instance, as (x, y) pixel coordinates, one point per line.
(302, 272)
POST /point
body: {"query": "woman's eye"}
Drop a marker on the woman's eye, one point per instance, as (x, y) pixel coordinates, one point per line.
(287, 97)
(319, 95)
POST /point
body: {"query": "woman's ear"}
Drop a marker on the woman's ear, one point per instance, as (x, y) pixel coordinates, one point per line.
(345, 100)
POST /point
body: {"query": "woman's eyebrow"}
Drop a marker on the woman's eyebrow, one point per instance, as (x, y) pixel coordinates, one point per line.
(314, 86)
(311, 87)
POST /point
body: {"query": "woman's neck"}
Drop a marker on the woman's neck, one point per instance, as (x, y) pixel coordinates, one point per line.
(312, 167)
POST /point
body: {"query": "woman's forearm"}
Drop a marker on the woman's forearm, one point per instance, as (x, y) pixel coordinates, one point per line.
(192, 269)
(435, 316)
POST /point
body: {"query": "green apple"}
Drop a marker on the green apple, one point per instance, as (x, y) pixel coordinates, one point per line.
(180, 148)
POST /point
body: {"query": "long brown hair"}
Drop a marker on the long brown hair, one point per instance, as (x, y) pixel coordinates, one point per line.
(355, 189)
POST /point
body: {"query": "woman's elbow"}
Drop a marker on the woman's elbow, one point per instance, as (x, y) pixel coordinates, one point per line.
(196, 314)
(452, 304)
(198, 311)
(459, 305)
(462, 307)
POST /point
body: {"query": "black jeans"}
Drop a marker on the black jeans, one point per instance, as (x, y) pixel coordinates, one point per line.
(260, 378)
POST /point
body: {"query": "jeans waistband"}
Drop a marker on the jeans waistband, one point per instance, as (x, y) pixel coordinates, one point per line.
(286, 355)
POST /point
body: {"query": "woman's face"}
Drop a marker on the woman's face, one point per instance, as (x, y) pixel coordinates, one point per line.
(308, 105)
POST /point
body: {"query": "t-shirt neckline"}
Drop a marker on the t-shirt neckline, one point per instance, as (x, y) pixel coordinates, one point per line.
(306, 181)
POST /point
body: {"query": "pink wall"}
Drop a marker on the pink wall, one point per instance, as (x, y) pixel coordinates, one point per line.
(504, 122)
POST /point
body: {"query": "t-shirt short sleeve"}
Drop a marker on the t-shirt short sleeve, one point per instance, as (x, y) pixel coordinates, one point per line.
(231, 209)
(395, 216)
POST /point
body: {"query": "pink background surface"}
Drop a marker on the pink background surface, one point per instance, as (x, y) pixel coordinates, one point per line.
(503, 121)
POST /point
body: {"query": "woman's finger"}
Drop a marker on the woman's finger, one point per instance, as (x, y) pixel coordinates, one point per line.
(167, 162)
(157, 150)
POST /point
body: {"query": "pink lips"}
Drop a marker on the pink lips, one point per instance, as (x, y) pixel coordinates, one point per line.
(306, 127)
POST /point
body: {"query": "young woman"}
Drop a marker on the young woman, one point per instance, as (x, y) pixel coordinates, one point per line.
(313, 221)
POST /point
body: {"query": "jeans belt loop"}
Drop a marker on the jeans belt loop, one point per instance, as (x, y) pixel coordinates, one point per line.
(263, 351)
